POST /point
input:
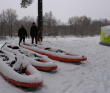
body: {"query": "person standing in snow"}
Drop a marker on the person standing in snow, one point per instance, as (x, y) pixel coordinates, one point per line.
(34, 33)
(22, 33)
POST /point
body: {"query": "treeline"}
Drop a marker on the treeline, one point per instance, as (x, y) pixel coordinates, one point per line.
(78, 26)
(9, 23)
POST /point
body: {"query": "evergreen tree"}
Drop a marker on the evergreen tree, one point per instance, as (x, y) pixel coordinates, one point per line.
(26, 3)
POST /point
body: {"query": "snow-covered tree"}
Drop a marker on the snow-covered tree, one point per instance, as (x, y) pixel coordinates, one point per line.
(26, 3)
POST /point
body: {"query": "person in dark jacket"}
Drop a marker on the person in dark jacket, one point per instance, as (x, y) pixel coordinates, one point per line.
(22, 33)
(34, 33)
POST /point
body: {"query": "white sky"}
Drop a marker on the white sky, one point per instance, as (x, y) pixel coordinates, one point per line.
(62, 9)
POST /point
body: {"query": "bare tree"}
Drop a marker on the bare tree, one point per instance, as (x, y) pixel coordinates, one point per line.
(1, 26)
(50, 23)
(11, 18)
(84, 25)
(73, 23)
(27, 22)
(79, 25)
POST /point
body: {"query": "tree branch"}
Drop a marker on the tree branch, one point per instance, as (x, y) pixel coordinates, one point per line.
(26, 3)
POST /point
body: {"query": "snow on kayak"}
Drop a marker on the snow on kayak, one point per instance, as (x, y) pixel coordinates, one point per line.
(17, 70)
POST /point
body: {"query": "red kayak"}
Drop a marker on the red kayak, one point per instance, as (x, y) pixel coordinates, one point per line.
(18, 71)
(54, 54)
(39, 61)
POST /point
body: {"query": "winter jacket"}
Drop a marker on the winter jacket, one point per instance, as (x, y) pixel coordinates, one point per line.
(34, 31)
(22, 33)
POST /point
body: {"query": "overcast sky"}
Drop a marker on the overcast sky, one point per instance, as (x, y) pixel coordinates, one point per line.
(62, 9)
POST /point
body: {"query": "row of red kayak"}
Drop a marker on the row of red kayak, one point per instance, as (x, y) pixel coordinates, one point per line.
(20, 65)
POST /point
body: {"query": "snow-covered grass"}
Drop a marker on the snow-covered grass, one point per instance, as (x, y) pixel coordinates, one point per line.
(92, 76)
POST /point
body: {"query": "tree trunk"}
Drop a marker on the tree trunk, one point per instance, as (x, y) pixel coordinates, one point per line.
(40, 20)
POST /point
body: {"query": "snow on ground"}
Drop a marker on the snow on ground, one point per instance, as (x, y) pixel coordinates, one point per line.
(92, 76)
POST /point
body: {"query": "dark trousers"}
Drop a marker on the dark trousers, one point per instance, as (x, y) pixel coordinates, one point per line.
(34, 37)
(20, 40)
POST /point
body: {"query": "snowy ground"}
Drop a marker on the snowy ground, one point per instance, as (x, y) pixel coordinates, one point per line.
(92, 76)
